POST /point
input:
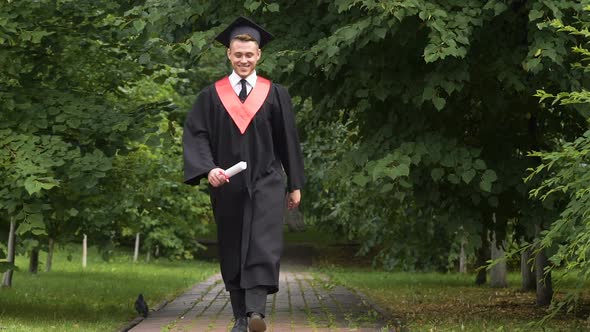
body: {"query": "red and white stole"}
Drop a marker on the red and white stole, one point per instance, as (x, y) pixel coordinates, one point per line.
(242, 113)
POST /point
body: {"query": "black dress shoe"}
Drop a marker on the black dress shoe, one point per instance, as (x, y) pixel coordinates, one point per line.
(257, 323)
(241, 325)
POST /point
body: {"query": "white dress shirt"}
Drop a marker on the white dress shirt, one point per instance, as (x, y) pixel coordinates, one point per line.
(234, 80)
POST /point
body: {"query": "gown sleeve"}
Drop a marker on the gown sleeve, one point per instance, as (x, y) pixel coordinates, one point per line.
(198, 159)
(288, 146)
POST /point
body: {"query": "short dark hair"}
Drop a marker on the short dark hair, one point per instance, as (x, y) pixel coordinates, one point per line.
(245, 37)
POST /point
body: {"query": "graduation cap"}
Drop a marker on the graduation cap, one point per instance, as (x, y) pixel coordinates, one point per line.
(241, 26)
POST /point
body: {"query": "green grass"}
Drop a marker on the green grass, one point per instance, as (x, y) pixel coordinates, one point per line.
(451, 302)
(100, 298)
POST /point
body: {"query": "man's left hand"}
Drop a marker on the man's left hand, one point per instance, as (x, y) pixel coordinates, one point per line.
(293, 199)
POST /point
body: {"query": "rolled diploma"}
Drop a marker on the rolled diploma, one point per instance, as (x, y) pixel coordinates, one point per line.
(235, 169)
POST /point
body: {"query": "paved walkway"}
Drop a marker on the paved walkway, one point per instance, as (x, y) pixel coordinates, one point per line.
(302, 304)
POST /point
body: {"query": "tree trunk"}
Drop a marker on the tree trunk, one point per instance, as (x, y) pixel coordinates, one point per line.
(136, 254)
(498, 271)
(483, 254)
(544, 284)
(7, 280)
(34, 261)
(462, 258)
(49, 262)
(157, 253)
(84, 251)
(543, 280)
(148, 255)
(526, 272)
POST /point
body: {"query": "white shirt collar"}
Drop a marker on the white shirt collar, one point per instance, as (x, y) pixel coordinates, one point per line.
(234, 79)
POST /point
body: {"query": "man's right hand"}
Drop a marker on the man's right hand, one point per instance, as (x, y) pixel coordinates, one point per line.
(217, 177)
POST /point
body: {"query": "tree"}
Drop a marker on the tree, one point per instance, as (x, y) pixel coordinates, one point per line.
(432, 101)
(71, 114)
(63, 116)
(441, 96)
(564, 176)
(8, 266)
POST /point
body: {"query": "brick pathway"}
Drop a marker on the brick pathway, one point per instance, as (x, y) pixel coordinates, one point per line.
(302, 304)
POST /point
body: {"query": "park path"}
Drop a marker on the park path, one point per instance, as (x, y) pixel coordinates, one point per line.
(303, 303)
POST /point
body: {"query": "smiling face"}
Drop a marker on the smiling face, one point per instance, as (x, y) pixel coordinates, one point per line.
(243, 56)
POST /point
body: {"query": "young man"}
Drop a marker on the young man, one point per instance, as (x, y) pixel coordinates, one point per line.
(245, 117)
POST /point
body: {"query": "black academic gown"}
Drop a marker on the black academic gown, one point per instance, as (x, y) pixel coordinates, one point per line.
(249, 209)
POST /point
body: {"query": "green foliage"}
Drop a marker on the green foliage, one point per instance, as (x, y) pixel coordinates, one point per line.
(422, 116)
(416, 116)
(62, 118)
(564, 176)
(82, 91)
(147, 197)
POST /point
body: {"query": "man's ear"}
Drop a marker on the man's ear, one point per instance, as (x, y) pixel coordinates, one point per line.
(228, 53)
